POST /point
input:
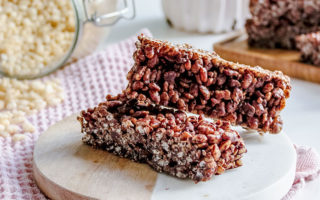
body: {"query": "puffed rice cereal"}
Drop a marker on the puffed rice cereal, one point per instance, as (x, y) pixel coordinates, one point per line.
(34, 34)
(20, 99)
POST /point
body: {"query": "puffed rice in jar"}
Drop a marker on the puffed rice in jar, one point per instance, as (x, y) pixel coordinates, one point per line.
(37, 37)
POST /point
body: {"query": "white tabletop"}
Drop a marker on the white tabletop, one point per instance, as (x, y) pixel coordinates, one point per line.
(302, 113)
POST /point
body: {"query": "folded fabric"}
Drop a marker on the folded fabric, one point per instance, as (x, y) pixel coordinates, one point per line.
(308, 168)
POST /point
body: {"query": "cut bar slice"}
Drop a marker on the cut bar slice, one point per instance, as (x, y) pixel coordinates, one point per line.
(277, 23)
(281, 35)
(309, 46)
(201, 82)
(169, 141)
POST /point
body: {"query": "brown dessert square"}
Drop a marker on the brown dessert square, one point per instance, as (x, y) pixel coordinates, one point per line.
(169, 141)
(277, 23)
(309, 46)
(203, 83)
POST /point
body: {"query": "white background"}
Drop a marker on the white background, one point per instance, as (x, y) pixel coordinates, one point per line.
(302, 114)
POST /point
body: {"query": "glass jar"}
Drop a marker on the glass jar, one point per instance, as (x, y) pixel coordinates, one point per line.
(93, 19)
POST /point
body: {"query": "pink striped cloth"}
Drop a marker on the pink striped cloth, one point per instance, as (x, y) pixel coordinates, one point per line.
(86, 83)
(307, 169)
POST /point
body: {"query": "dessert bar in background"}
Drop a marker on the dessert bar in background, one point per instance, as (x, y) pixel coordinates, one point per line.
(203, 83)
(169, 141)
(275, 24)
(309, 46)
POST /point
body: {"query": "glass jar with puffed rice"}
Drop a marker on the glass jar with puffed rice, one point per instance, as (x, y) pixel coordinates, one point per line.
(37, 37)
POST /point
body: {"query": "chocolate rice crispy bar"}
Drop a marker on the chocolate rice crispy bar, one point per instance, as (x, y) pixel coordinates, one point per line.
(276, 23)
(309, 46)
(203, 83)
(169, 141)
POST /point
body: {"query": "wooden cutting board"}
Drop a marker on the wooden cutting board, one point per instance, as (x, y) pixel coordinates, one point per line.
(65, 168)
(287, 61)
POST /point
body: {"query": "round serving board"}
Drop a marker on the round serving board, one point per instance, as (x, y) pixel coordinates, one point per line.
(65, 168)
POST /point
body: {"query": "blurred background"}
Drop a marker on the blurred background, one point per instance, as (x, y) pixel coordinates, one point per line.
(151, 15)
(86, 27)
